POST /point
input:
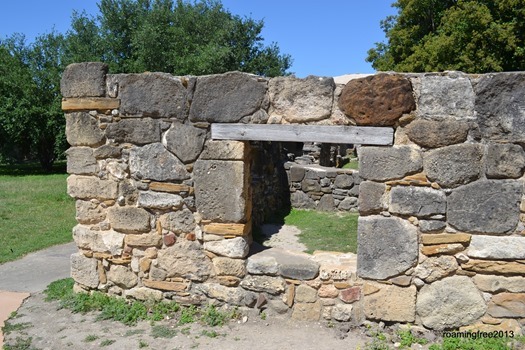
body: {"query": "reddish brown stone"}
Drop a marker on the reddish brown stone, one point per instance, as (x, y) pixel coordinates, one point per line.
(170, 239)
(350, 295)
(378, 100)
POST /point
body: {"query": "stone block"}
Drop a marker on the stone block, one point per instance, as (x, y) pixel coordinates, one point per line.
(122, 276)
(88, 212)
(233, 248)
(377, 100)
(390, 303)
(487, 206)
(350, 295)
(389, 163)
(450, 303)
(297, 173)
(301, 200)
(301, 100)
(88, 187)
(494, 267)
(305, 294)
(98, 241)
(159, 200)
(80, 161)
(326, 203)
(84, 270)
(417, 201)
(107, 151)
(152, 95)
(144, 294)
(446, 95)
(229, 267)
(226, 98)
(144, 240)
(89, 104)
(228, 229)
(185, 141)
(435, 268)
(344, 181)
(497, 248)
(230, 295)
(258, 264)
(498, 284)
(505, 161)
(328, 291)
(84, 79)
(348, 203)
(445, 238)
(166, 285)
(455, 165)
(265, 284)
(169, 187)
(434, 133)
(82, 130)
(136, 131)
(218, 182)
(163, 167)
(225, 150)
(179, 222)
(386, 247)
(438, 249)
(431, 225)
(129, 219)
(342, 312)
(371, 197)
(185, 259)
(307, 311)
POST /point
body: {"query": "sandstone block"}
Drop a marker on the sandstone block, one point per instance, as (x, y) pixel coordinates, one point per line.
(129, 219)
(137, 131)
(185, 141)
(371, 197)
(159, 200)
(386, 247)
(494, 267)
(266, 284)
(163, 167)
(122, 276)
(449, 249)
(226, 98)
(306, 311)
(143, 293)
(230, 295)
(436, 268)
(445, 238)
(258, 264)
(98, 241)
(169, 187)
(89, 104)
(166, 285)
(84, 79)
(185, 259)
(84, 270)
(88, 187)
(301, 100)
(228, 229)
(144, 240)
(497, 284)
(505, 161)
(88, 212)
(378, 100)
(446, 95)
(490, 247)
(389, 163)
(510, 305)
(328, 291)
(305, 294)
(233, 248)
(434, 133)
(417, 201)
(82, 130)
(225, 150)
(229, 267)
(341, 312)
(80, 161)
(450, 303)
(455, 165)
(391, 303)
(489, 206)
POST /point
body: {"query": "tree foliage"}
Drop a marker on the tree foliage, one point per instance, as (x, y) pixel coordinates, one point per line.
(474, 36)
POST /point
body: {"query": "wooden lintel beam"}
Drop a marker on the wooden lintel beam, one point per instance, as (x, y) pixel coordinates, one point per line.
(360, 135)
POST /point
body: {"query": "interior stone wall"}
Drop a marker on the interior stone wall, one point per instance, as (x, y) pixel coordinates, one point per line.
(163, 211)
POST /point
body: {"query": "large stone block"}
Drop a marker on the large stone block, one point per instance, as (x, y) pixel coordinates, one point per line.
(494, 267)
(265, 284)
(505, 161)
(136, 131)
(152, 95)
(159, 200)
(229, 267)
(455, 165)
(232, 296)
(417, 201)
(84, 270)
(88, 187)
(236, 247)
(434, 133)
(490, 247)
(129, 219)
(446, 95)
(435, 268)
(226, 98)
(180, 221)
(377, 100)
(219, 182)
(371, 197)
(80, 161)
(507, 305)
(499, 106)
(386, 247)
(86, 79)
(498, 284)
(389, 163)
(154, 162)
(82, 130)
(390, 303)
(122, 276)
(307, 311)
(225, 150)
(301, 100)
(487, 206)
(185, 141)
(88, 212)
(98, 241)
(450, 303)
(185, 259)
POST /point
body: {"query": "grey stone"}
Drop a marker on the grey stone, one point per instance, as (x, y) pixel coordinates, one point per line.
(185, 259)
(80, 161)
(259, 264)
(497, 248)
(180, 221)
(371, 197)
(236, 247)
(84, 270)
(265, 284)
(98, 241)
(431, 225)
(435, 268)
(129, 219)
(301, 100)
(348, 203)
(505, 161)
(342, 312)
(434, 133)
(86, 79)
(143, 293)
(122, 276)
(386, 247)
(446, 95)
(82, 130)
(500, 107)
(305, 294)
(326, 203)
(218, 182)
(152, 95)
(486, 206)
(159, 200)
(296, 173)
(88, 212)
(107, 151)
(389, 163)
(226, 98)
(344, 181)
(137, 131)
(450, 303)
(88, 187)
(232, 296)
(185, 141)
(225, 150)
(154, 162)
(310, 185)
(455, 165)
(301, 200)
(291, 265)
(417, 201)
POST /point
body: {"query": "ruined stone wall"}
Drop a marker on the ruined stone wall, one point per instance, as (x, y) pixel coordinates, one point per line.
(165, 212)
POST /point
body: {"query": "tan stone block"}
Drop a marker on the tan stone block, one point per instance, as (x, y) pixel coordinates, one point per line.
(305, 294)
(101, 273)
(89, 103)
(403, 281)
(341, 285)
(507, 305)
(165, 285)
(228, 229)
(504, 326)
(229, 267)
(445, 238)
(144, 264)
(225, 150)
(169, 187)
(494, 267)
(497, 284)
(391, 303)
(99, 255)
(120, 261)
(449, 249)
(328, 291)
(150, 253)
(290, 295)
(307, 311)
(490, 320)
(145, 240)
(229, 281)
(292, 281)
(370, 288)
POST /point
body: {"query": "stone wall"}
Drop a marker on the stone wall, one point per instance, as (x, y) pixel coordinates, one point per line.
(166, 212)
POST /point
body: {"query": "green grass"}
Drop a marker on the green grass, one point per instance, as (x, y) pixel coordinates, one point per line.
(480, 344)
(352, 164)
(325, 231)
(35, 210)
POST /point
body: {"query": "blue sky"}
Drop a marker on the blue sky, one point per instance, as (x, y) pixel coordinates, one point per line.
(325, 38)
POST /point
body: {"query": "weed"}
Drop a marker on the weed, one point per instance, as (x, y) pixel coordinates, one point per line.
(478, 344)
(90, 338)
(159, 311)
(131, 332)
(210, 334)
(263, 315)
(379, 342)
(20, 344)
(161, 331)
(143, 344)
(14, 327)
(213, 317)
(185, 330)
(59, 290)
(187, 315)
(107, 342)
(407, 339)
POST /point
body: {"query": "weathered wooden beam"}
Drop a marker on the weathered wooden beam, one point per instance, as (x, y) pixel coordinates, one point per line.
(89, 103)
(361, 135)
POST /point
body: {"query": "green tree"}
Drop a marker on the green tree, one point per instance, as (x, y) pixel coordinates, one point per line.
(473, 36)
